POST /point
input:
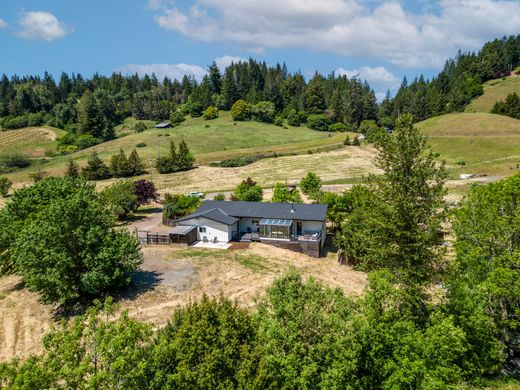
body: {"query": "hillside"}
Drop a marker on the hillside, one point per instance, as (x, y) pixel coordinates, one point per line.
(475, 142)
(32, 141)
(494, 90)
(210, 141)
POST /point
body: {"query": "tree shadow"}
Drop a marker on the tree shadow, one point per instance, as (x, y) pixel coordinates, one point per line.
(329, 246)
(141, 281)
(142, 214)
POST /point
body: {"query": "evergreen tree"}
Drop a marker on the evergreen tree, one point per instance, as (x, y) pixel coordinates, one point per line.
(89, 116)
(95, 169)
(135, 164)
(119, 166)
(185, 158)
(215, 78)
(72, 169)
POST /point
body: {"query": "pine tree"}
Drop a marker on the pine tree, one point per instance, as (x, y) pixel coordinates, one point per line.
(185, 157)
(135, 164)
(72, 169)
(89, 116)
(215, 77)
(96, 169)
(119, 164)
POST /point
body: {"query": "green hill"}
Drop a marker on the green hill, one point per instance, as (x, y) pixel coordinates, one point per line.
(494, 90)
(210, 141)
(475, 142)
(32, 141)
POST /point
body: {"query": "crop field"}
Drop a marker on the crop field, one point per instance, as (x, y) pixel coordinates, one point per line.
(33, 141)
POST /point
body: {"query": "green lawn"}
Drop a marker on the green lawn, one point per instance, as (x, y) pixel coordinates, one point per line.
(494, 90)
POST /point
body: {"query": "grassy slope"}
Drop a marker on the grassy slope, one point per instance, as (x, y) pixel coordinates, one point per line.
(494, 91)
(209, 140)
(487, 143)
(33, 141)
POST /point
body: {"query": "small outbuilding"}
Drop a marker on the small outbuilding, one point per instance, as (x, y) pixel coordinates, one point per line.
(183, 235)
(163, 125)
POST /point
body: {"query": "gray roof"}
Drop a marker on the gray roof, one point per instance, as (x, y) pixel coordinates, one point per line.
(308, 212)
(163, 125)
(182, 229)
(214, 213)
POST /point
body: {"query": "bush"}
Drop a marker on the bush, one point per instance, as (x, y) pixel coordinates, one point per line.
(139, 127)
(120, 198)
(17, 122)
(338, 127)
(249, 191)
(264, 111)
(177, 117)
(240, 111)
(210, 113)
(140, 145)
(355, 141)
(145, 191)
(196, 109)
(5, 185)
(35, 119)
(310, 184)
(318, 122)
(178, 206)
(278, 120)
(296, 118)
(219, 197)
(14, 160)
(85, 141)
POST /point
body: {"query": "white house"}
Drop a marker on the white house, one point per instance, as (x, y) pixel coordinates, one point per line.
(299, 227)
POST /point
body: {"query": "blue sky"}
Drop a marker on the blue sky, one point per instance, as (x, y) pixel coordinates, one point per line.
(378, 40)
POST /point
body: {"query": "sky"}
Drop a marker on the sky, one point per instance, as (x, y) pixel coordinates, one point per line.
(377, 41)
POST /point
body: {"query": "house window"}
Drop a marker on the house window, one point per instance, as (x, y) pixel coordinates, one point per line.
(202, 229)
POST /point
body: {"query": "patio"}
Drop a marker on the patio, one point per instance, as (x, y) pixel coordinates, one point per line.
(211, 245)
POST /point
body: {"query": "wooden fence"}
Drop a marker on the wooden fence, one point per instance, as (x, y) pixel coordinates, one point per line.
(153, 238)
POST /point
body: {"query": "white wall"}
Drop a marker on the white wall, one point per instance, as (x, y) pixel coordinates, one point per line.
(248, 223)
(213, 229)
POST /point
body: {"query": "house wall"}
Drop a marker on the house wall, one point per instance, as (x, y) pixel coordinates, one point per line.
(316, 226)
(248, 223)
(213, 229)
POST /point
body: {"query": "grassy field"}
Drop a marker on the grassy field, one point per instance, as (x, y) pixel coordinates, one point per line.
(494, 90)
(486, 143)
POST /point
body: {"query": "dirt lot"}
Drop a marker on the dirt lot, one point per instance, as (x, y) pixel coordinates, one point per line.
(171, 277)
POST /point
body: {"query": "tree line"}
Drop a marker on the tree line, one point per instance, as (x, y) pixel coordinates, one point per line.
(456, 85)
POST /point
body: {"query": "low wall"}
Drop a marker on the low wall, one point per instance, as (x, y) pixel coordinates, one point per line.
(310, 248)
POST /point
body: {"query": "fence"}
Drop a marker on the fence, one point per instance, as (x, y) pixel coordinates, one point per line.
(149, 238)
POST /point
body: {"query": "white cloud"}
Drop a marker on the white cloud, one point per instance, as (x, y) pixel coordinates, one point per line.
(379, 77)
(177, 71)
(42, 26)
(3, 23)
(224, 61)
(174, 71)
(353, 28)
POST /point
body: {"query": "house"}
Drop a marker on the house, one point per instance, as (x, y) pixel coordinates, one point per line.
(163, 125)
(298, 227)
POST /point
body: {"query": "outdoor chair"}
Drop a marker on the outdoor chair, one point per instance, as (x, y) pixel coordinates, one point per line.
(205, 239)
(215, 240)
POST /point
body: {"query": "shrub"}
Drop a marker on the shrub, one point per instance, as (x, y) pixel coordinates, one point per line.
(278, 120)
(282, 193)
(240, 111)
(120, 198)
(296, 118)
(14, 160)
(145, 191)
(17, 122)
(85, 141)
(177, 117)
(140, 127)
(5, 185)
(177, 206)
(140, 145)
(355, 141)
(346, 141)
(338, 127)
(310, 184)
(35, 119)
(211, 113)
(264, 111)
(219, 197)
(196, 109)
(318, 122)
(248, 190)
